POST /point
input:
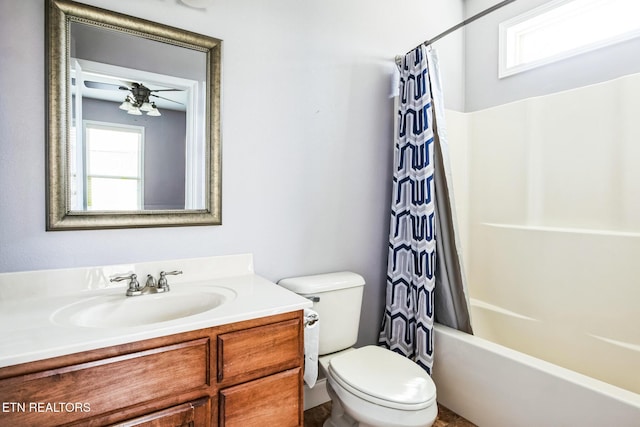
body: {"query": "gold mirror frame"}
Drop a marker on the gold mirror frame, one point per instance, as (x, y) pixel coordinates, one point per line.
(60, 14)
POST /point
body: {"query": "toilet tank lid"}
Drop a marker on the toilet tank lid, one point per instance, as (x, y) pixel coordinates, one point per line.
(322, 282)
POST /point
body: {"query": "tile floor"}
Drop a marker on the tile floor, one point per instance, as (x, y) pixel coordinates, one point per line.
(314, 417)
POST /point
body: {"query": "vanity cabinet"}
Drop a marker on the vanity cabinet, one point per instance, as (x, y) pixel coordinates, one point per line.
(190, 414)
(241, 374)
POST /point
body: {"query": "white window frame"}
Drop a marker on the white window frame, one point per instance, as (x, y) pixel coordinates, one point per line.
(508, 45)
(119, 127)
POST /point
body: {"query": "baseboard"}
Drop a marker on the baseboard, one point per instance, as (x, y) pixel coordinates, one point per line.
(317, 395)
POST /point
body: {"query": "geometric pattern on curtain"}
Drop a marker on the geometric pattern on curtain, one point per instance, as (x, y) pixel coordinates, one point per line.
(407, 324)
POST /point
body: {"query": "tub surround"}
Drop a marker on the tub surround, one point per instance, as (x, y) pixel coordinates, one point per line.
(30, 300)
(530, 225)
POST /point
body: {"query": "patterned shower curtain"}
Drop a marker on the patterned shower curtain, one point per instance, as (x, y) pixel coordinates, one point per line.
(407, 326)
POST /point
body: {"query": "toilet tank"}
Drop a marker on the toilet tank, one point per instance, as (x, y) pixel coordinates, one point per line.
(337, 297)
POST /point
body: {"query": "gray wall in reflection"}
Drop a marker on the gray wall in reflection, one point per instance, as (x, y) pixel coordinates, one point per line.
(164, 150)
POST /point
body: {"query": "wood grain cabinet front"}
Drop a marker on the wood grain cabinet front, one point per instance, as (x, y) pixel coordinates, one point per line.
(74, 392)
(192, 414)
(271, 401)
(169, 381)
(256, 352)
(265, 360)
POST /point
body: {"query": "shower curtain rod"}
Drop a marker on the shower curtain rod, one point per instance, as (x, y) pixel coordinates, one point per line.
(468, 21)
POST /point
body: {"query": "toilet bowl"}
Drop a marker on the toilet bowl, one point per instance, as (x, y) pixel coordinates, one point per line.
(369, 386)
(377, 387)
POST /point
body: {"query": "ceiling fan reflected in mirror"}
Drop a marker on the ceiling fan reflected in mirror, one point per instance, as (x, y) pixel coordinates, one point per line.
(137, 100)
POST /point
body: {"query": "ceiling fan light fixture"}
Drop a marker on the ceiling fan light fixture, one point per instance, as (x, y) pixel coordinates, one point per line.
(126, 105)
(146, 106)
(137, 101)
(154, 111)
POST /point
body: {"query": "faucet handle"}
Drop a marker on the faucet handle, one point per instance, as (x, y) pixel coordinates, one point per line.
(163, 284)
(134, 285)
(170, 273)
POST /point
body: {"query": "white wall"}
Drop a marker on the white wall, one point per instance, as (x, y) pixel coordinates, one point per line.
(307, 137)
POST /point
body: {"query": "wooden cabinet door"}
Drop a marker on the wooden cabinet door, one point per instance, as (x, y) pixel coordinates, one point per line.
(257, 352)
(192, 414)
(275, 400)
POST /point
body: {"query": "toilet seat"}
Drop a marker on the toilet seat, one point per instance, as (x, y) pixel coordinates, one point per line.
(383, 377)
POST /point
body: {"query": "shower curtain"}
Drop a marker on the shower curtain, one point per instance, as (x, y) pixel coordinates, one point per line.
(425, 280)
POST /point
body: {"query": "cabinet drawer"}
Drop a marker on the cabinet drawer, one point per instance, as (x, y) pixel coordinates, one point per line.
(259, 351)
(272, 401)
(192, 414)
(94, 388)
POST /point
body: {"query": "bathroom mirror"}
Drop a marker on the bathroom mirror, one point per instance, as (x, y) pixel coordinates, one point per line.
(133, 122)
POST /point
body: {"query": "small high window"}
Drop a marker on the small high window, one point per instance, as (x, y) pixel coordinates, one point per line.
(563, 28)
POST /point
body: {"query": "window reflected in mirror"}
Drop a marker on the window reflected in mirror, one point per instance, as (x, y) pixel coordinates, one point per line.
(106, 170)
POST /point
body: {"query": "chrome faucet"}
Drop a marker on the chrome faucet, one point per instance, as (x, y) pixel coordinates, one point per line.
(135, 289)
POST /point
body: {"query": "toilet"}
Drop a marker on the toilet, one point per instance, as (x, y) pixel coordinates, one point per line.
(368, 386)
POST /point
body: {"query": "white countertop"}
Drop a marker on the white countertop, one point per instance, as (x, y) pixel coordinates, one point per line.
(29, 301)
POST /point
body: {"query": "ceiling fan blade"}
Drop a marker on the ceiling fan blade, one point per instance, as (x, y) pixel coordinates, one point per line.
(167, 99)
(166, 90)
(106, 86)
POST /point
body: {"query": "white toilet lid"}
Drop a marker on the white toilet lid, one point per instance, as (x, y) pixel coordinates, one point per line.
(377, 374)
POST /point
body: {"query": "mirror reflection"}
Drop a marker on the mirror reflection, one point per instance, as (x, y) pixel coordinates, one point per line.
(138, 106)
(133, 122)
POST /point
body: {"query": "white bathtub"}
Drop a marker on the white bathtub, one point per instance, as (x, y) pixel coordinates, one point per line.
(495, 386)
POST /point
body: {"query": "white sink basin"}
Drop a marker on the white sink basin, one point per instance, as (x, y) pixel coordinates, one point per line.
(119, 310)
